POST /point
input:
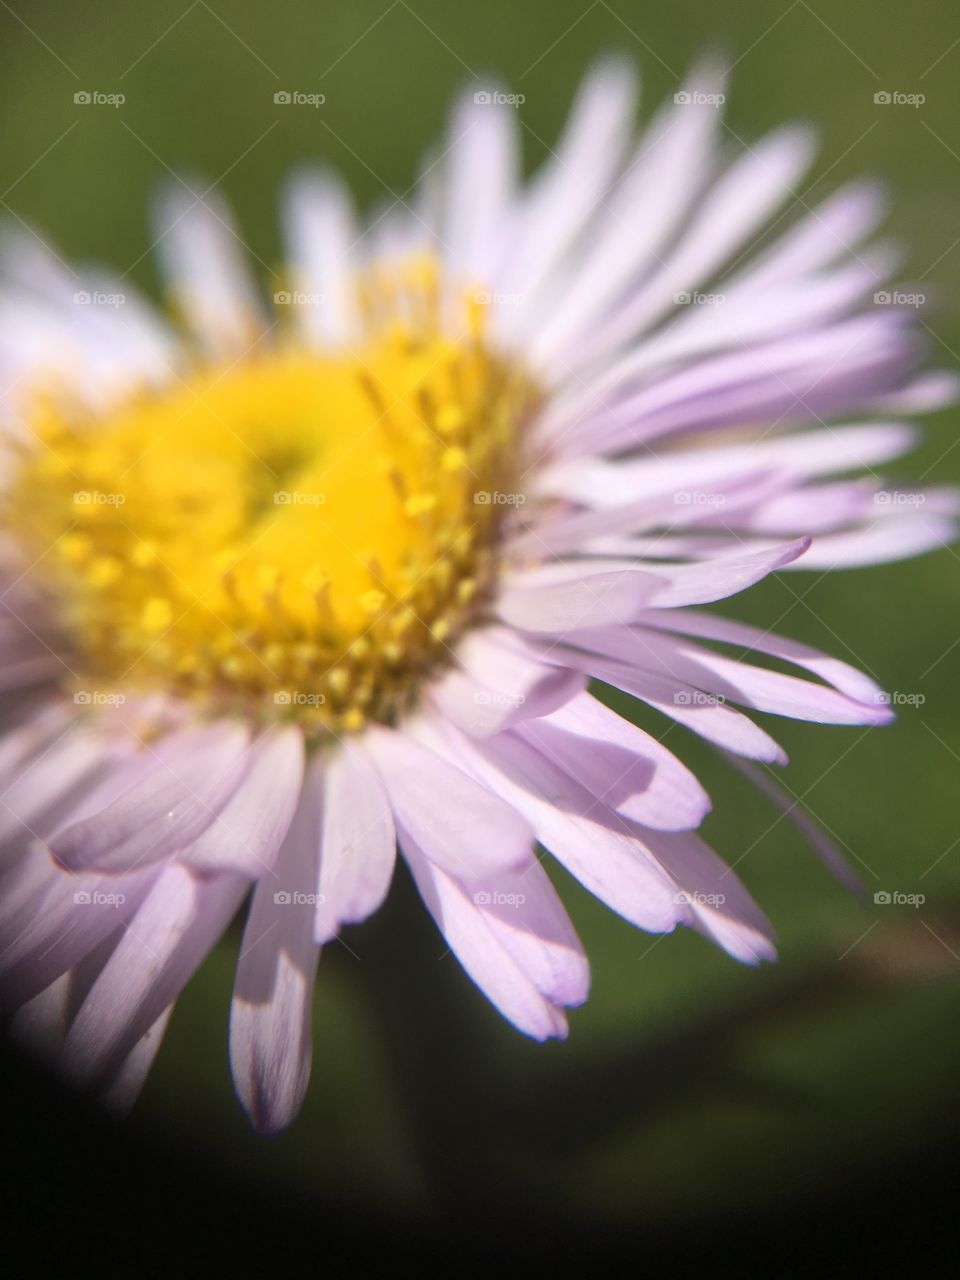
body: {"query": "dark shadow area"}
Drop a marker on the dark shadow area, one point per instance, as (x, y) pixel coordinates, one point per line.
(83, 1191)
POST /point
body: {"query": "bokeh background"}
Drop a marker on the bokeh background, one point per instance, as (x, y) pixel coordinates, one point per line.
(696, 1101)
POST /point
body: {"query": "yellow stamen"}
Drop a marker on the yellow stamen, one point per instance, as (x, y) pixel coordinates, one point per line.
(294, 522)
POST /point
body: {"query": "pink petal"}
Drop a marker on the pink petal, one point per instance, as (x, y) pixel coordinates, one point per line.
(704, 714)
(460, 825)
(673, 657)
(709, 580)
(582, 597)
(50, 919)
(176, 925)
(709, 626)
(184, 781)
(619, 763)
(270, 1034)
(499, 685)
(720, 906)
(574, 826)
(357, 844)
(248, 830)
(484, 956)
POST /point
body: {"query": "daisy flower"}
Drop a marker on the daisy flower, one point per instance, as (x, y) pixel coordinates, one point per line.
(290, 589)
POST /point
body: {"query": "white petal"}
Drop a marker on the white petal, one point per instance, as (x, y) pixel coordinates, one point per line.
(322, 238)
(205, 264)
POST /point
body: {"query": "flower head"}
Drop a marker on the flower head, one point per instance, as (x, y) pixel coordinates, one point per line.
(287, 589)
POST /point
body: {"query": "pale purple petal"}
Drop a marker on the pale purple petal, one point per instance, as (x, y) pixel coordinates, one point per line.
(708, 626)
(570, 822)
(689, 706)
(674, 657)
(270, 1023)
(183, 784)
(581, 596)
(164, 943)
(460, 825)
(720, 906)
(357, 842)
(247, 832)
(628, 769)
(498, 685)
(486, 959)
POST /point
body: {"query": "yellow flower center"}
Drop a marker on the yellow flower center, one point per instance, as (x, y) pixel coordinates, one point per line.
(298, 535)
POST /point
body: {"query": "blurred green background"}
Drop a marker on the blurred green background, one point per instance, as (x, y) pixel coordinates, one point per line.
(690, 1085)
